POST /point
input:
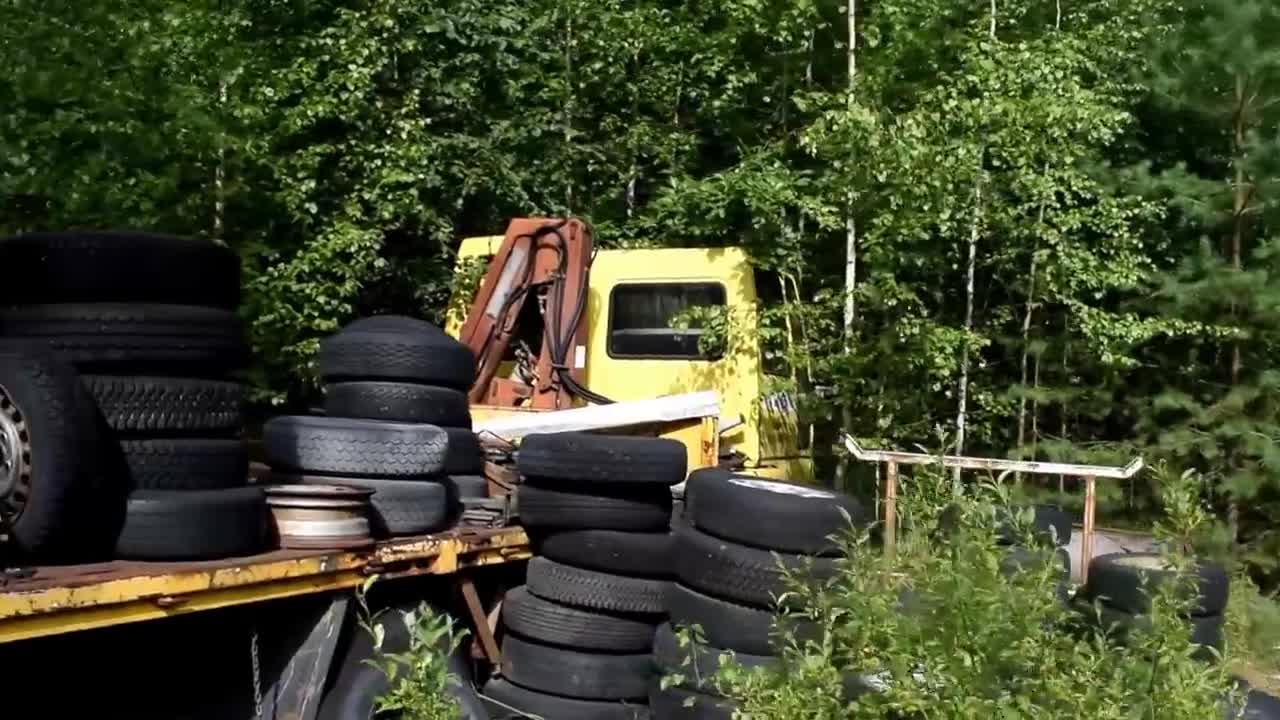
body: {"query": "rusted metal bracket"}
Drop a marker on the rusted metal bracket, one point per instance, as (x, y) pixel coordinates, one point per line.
(479, 620)
(503, 479)
(893, 458)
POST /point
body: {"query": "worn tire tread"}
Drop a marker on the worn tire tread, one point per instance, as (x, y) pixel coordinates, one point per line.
(579, 457)
(161, 404)
(574, 673)
(361, 448)
(529, 616)
(566, 509)
(591, 589)
(737, 572)
(185, 463)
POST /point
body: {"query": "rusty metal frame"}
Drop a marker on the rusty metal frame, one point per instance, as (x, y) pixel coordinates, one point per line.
(134, 593)
(526, 260)
(892, 459)
(479, 621)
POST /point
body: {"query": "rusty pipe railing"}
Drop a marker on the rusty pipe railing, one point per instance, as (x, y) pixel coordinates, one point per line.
(892, 459)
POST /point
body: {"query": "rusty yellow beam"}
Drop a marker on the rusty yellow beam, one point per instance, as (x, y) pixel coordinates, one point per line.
(87, 617)
(61, 609)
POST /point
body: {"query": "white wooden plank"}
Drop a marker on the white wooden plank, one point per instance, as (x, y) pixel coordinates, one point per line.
(602, 417)
(1030, 467)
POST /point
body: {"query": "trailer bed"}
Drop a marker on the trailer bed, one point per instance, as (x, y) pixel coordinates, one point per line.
(55, 600)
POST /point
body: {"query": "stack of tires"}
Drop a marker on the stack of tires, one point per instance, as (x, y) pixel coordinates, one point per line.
(149, 323)
(738, 529)
(419, 375)
(579, 635)
(1118, 596)
(397, 422)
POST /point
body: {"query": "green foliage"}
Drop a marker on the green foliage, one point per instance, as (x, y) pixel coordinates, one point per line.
(1253, 626)
(418, 678)
(949, 628)
(1114, 163)
(1215, 409)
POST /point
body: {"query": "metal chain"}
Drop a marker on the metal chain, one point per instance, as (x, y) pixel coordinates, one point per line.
(257, 676)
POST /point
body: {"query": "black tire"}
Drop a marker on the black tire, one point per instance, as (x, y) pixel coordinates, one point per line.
(633, 509)
(550, 580)
(51, 417)
(355, 688)
(389, 354)
(354, 696)
(1049, 524)
(398, 402)
(193, 525)
(134, 339)
(399, 507)
(465, 456)
(1206, 631)
(392, 323)
(470, 486)
(361, 448)
(162, 404)
(624, 553)
(589, 458)
(1016, 557)
(185, 464)
(737, 572)
(724, 624)
(132, 267)
(1260, 706)
(505, 696)
(570, 673)
(677, 703)
(531, 617)
(698, 663)
(1117, 578)
(787, 517)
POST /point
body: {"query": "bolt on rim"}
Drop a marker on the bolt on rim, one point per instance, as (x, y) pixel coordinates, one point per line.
(15, 459)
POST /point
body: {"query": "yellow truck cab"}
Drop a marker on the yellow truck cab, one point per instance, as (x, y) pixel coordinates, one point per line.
(633, 351)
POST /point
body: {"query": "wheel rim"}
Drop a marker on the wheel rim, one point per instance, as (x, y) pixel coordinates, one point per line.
(15, 459)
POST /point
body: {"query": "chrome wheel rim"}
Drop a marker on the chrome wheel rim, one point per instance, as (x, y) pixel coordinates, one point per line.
(15, 459)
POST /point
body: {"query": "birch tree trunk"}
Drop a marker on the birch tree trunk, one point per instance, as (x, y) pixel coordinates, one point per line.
(975, 231)
(850, 225)
(1066, 375)
(1030, 311)
(1243, 194)
(1035, 406)
(1026, 321)
(850, 240)
(219, 171)
(1026, 341)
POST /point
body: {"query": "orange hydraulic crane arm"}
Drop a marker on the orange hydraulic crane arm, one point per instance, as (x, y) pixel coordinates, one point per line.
(546, 260)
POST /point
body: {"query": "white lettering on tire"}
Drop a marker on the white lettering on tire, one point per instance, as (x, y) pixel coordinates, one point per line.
(782, 488)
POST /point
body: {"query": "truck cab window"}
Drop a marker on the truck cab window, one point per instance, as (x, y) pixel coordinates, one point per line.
(769, 294)
(641, 316)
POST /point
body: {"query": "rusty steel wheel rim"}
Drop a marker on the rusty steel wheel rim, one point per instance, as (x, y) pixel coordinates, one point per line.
(320, 516)
(15, 460)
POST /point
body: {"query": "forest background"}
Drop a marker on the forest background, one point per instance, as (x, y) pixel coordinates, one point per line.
(1044, 229)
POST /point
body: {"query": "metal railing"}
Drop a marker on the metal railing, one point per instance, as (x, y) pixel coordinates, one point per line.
(892, 459)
